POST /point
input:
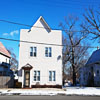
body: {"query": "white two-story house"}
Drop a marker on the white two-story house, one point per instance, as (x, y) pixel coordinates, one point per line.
(40, 56)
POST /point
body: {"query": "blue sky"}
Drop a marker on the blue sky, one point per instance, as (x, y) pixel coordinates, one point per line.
(28, 11)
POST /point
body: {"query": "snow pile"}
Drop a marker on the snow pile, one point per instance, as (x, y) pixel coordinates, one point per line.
(83, 91)
(31, 92)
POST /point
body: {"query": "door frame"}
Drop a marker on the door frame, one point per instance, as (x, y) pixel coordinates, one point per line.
(26, 71)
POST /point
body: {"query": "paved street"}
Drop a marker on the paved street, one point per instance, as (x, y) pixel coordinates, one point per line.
(49, 98)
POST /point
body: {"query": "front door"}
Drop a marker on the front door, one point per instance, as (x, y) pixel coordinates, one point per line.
(27, 78)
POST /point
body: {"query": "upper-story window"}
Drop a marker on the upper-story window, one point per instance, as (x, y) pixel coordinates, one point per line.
(97, 72)
(48, 52)
(33, 51)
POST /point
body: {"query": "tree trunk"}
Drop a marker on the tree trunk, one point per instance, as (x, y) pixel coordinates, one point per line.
(73, 66)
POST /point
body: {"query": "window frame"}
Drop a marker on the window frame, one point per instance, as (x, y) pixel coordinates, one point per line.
(33, 51)
(52, 76)
(48, 51)
(36, 76)
(97, 73)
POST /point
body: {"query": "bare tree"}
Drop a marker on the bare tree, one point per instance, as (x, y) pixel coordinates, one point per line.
(73, 52)
(91, 24)
(14, 61)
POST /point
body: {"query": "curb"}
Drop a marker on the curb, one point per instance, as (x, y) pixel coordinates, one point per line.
(50, 94)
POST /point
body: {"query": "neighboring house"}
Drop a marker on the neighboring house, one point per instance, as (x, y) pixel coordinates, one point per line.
(90, 74)
(40, 64)
(6, 74)
(4, 61)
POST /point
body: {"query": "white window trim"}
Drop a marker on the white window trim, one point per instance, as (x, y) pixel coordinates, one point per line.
(52, 76)
(36, 76)
(29, 51)
(48, 52)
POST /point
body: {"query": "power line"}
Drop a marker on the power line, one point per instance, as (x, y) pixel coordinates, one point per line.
(50, 4)
(76, 1)
(59, 3)
(41, 43)
(15, 23)
(37, 42)
(29, 42)
(11, 22)
(71, 3)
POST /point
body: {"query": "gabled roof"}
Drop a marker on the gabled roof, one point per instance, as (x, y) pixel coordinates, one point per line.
(4, 51)
(94, 58)
(27, 67)
(46, 25)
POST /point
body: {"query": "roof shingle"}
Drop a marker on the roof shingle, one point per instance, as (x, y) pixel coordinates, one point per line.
(3, 50)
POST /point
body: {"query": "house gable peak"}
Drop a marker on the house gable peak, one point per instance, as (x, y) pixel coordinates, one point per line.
(44, 24)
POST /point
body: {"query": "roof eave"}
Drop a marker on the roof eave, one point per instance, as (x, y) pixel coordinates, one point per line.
(5, 55)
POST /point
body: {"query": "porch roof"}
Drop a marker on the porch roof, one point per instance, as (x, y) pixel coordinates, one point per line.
(27, 67)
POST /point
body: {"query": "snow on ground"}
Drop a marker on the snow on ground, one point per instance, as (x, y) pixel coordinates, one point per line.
(45, 91)
(92, 91)
(87, 91)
